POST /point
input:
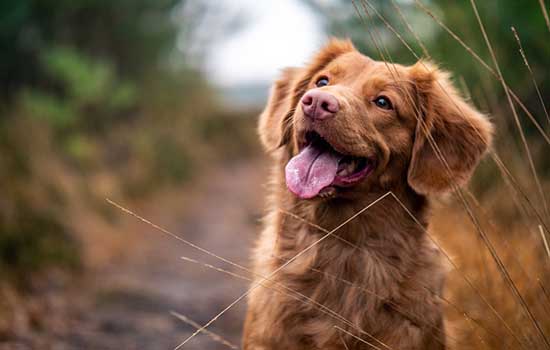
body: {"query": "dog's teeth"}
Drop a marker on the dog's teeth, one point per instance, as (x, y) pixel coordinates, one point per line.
(348, 168)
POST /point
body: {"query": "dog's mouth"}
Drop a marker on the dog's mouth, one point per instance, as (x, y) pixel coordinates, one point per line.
(319, 166)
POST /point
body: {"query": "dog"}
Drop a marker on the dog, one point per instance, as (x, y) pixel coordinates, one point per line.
(346, 132)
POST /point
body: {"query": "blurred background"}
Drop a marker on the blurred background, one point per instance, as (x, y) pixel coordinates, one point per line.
(153, 104)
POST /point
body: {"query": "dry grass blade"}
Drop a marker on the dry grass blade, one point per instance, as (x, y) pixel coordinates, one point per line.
(396, 307)
(465, 89)
(363, 2)
(545, 13)
(505, 172)
(356, 337)
(486, 66)
(466, 315)
(535, 175)
(211, 334)
(544, 241)
(516, 118)
(287, 291)
(411, 30)
(343, 341)
(514, 185)
(281, 289)
(321, 307)
(524, 56)
(544, 291)
(173, 235)
(464, 277)
(520, 208)
(257, 284)
(469, 210)
(219, 269)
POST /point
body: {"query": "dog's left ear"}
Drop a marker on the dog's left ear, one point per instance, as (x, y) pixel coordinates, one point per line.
(273, 124)
(462, 134)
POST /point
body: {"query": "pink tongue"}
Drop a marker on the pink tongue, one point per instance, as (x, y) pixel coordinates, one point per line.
(312, 170)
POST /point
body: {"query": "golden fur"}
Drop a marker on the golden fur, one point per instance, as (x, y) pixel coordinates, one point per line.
(383, 276)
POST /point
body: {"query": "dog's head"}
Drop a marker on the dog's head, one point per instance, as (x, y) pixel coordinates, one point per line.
(349, 123)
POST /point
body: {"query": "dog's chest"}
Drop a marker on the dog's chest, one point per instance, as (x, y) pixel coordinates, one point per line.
(335, 285)
(352, 290)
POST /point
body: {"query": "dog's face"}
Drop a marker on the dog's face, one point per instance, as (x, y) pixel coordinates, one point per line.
(351, 123)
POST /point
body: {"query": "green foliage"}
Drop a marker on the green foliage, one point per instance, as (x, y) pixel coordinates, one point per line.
(88, 92)
(46, 107)
(86, 81)
(134, 36)
(78, 71)
(33, 240)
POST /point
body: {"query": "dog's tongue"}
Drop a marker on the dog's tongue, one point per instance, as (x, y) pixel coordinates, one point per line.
(312, 170)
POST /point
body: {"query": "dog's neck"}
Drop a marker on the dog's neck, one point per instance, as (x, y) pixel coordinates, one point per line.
(389, 224)
(377, 215)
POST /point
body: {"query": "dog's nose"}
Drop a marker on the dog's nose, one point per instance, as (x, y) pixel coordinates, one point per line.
(319, 105)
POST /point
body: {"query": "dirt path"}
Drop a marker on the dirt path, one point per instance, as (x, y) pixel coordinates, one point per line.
(127, 302)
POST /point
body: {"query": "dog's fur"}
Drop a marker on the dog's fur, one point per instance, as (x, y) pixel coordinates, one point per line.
(387, 279)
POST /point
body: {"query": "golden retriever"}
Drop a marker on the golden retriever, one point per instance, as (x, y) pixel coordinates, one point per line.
(343, 131)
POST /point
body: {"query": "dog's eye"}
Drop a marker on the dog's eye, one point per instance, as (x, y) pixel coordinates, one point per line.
(383, 102)
(322, 81)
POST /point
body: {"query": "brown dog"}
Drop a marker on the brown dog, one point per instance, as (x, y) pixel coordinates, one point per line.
(344, 131)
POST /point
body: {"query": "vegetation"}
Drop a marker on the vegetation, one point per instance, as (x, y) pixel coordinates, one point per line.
(93, 90)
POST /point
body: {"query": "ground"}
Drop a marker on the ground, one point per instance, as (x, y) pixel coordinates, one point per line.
(126, 303)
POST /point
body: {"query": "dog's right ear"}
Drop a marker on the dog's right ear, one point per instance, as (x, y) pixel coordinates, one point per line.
(274, 125)
(451, 135)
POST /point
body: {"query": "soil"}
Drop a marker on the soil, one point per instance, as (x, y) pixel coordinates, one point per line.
(125, 299)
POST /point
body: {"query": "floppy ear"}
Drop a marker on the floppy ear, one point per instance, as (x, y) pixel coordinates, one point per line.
(461, 133)
(272, 124)
(276, 120)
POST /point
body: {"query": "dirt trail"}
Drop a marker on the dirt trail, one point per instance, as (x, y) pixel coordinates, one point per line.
(127, 302)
